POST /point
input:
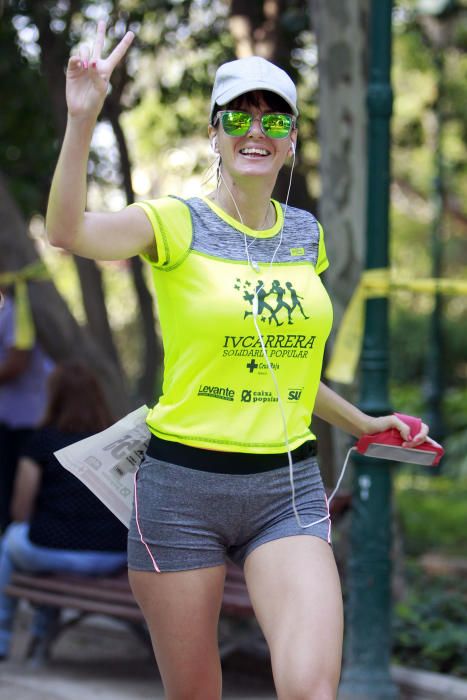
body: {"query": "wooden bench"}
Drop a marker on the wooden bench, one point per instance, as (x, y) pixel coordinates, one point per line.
(112, 596)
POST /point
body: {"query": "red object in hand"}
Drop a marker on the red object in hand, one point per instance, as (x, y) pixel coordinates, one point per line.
(388, 445)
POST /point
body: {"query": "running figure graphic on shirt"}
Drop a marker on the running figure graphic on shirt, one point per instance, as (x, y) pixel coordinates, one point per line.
(263, 306)
(289, 300)
(294, 296)
(281, 304)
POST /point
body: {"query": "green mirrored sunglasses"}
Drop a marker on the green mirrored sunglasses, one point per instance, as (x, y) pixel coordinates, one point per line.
(275, 125)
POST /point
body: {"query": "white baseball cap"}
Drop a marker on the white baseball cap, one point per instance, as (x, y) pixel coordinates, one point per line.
(252, 73)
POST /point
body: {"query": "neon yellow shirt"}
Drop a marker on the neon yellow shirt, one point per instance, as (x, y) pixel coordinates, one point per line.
(218, 392)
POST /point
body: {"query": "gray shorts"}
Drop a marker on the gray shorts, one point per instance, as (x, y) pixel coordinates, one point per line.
(191, 519)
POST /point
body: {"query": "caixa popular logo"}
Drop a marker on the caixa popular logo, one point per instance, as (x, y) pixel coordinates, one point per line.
(294, 394)
(263, 396)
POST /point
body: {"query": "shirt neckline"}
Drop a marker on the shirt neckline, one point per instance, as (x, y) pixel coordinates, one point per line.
(265, 233)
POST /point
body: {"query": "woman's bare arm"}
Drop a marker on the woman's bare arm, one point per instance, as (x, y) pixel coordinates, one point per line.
(341, 413)
(25, 490)
(103, 236)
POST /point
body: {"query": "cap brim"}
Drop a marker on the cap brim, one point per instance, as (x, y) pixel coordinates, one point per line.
(230, 95)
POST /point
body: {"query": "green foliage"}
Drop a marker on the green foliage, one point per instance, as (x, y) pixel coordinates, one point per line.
(28, 144)
(422, 95)
(430, 83)
(124, 317)
(410, 345)
(430, 625)
(456, 454)
(65, 277)
(431, 511)
(411, 312)
(409, 398)
(409, 342)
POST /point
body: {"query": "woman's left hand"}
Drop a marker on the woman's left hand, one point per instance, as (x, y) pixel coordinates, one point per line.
(382, 423)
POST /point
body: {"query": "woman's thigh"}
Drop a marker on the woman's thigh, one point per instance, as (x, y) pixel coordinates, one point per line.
(295, 591)
(182, 611)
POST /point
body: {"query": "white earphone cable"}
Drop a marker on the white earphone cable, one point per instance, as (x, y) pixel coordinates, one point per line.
(255, 267)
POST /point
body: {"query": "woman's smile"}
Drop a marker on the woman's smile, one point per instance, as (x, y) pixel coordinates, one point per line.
(255, 152)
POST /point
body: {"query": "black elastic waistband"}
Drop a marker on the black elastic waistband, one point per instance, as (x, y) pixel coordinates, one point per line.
(224, 462)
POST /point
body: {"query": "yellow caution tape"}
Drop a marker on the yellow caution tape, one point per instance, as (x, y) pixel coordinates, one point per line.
(374, 284)
(25, 335)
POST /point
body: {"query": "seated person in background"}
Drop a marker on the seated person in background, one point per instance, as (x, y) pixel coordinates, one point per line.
(58, 524)
(23, 387)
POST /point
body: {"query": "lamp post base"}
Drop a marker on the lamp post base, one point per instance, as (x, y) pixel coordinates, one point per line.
(365, 684)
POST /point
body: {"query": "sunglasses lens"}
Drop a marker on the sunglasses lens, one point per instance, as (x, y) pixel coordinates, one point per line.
(236, 123)
(277, 126)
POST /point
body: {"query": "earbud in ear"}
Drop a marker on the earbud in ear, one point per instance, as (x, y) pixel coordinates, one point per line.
(292, 147)
(214, 145)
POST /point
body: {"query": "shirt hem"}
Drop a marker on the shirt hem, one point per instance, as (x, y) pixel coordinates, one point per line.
(224, 445)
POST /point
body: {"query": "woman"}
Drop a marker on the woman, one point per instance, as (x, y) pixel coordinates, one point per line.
(240, 385)
(23, 381)
(58, 524)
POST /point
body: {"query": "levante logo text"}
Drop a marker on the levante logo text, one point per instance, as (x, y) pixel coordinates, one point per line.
(216, 392)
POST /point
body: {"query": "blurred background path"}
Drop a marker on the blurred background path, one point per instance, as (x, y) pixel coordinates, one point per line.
(103, 660)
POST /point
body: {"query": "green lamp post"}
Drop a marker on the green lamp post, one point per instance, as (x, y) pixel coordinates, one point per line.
(366, 674)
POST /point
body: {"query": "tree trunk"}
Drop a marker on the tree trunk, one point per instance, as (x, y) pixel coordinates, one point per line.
(258, 30)
(341, 33)
(255, 27)
(57, 330)
(54, 58)
(152, 359)
(92, 292)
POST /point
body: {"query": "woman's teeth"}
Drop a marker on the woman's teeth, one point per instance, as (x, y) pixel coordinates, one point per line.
(254, 152)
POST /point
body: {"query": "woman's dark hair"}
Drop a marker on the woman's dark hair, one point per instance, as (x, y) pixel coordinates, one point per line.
(76, 402)
(274, 102)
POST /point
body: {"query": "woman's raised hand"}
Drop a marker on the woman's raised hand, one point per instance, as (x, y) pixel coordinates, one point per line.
(88, 76)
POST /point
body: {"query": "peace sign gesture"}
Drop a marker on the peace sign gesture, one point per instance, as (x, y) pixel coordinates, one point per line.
(88, 76)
